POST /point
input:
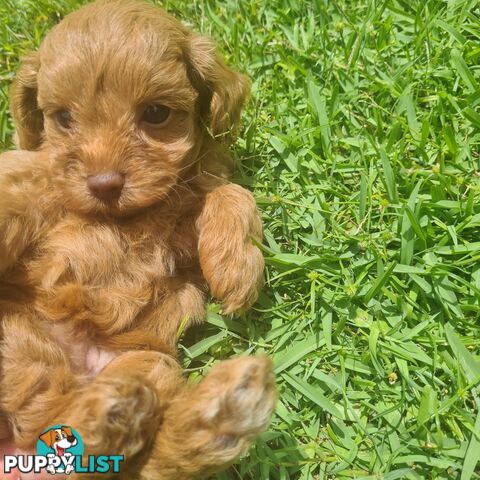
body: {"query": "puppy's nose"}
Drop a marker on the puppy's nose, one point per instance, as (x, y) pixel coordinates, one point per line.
(71, 438)
(106, 186)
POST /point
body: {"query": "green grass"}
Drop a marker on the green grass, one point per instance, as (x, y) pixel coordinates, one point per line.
(361, 144)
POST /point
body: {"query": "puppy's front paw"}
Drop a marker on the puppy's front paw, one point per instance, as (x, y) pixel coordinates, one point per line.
(117, 415)
(238, 398)
(231, 264)
(237, 281)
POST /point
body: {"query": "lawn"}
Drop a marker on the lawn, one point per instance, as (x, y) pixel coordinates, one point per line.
(361, 145)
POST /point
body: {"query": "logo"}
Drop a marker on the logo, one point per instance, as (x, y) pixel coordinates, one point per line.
(60, 451)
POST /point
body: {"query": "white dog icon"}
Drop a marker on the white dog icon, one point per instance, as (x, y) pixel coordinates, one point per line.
(60, 439)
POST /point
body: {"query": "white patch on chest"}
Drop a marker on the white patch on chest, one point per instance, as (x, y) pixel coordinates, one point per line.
(85, 357)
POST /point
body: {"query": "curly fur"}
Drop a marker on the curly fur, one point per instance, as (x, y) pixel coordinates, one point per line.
(93, 293)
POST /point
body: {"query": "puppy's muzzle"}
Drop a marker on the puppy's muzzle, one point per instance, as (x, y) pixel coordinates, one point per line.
(106, 186)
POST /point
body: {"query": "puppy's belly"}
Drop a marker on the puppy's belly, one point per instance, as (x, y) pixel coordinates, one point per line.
(85, 357)
(97, 359)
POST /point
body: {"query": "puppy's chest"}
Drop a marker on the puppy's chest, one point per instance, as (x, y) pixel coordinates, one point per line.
(93, 281)
(103, 256)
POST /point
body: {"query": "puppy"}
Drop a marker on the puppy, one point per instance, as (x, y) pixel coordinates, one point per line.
(116, 219)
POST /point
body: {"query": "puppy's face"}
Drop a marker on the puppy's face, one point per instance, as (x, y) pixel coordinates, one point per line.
(124, 93)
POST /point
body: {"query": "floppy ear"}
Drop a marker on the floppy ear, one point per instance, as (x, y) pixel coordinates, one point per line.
(68, 431)
(23, 104)
(222, 91)
(48, 437)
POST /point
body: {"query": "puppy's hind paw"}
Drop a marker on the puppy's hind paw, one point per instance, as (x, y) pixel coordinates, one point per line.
(210, 425)
(239, 397)
(117, 415)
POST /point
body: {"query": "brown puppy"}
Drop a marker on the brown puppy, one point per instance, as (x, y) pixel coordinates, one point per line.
(116, 217)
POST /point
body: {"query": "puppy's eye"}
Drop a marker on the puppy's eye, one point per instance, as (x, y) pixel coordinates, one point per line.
(156, 114)
(64, 118)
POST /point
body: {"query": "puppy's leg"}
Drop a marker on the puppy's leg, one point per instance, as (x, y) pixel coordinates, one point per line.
(121, 409)
(36, 382)
(208, 426)
(231, 263)
(26, 202)
(116, 412)
(179, 309)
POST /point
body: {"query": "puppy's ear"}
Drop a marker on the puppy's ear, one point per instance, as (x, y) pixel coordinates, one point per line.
(68, 431)
(48, 437)
(222, 91)
(23, 104)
